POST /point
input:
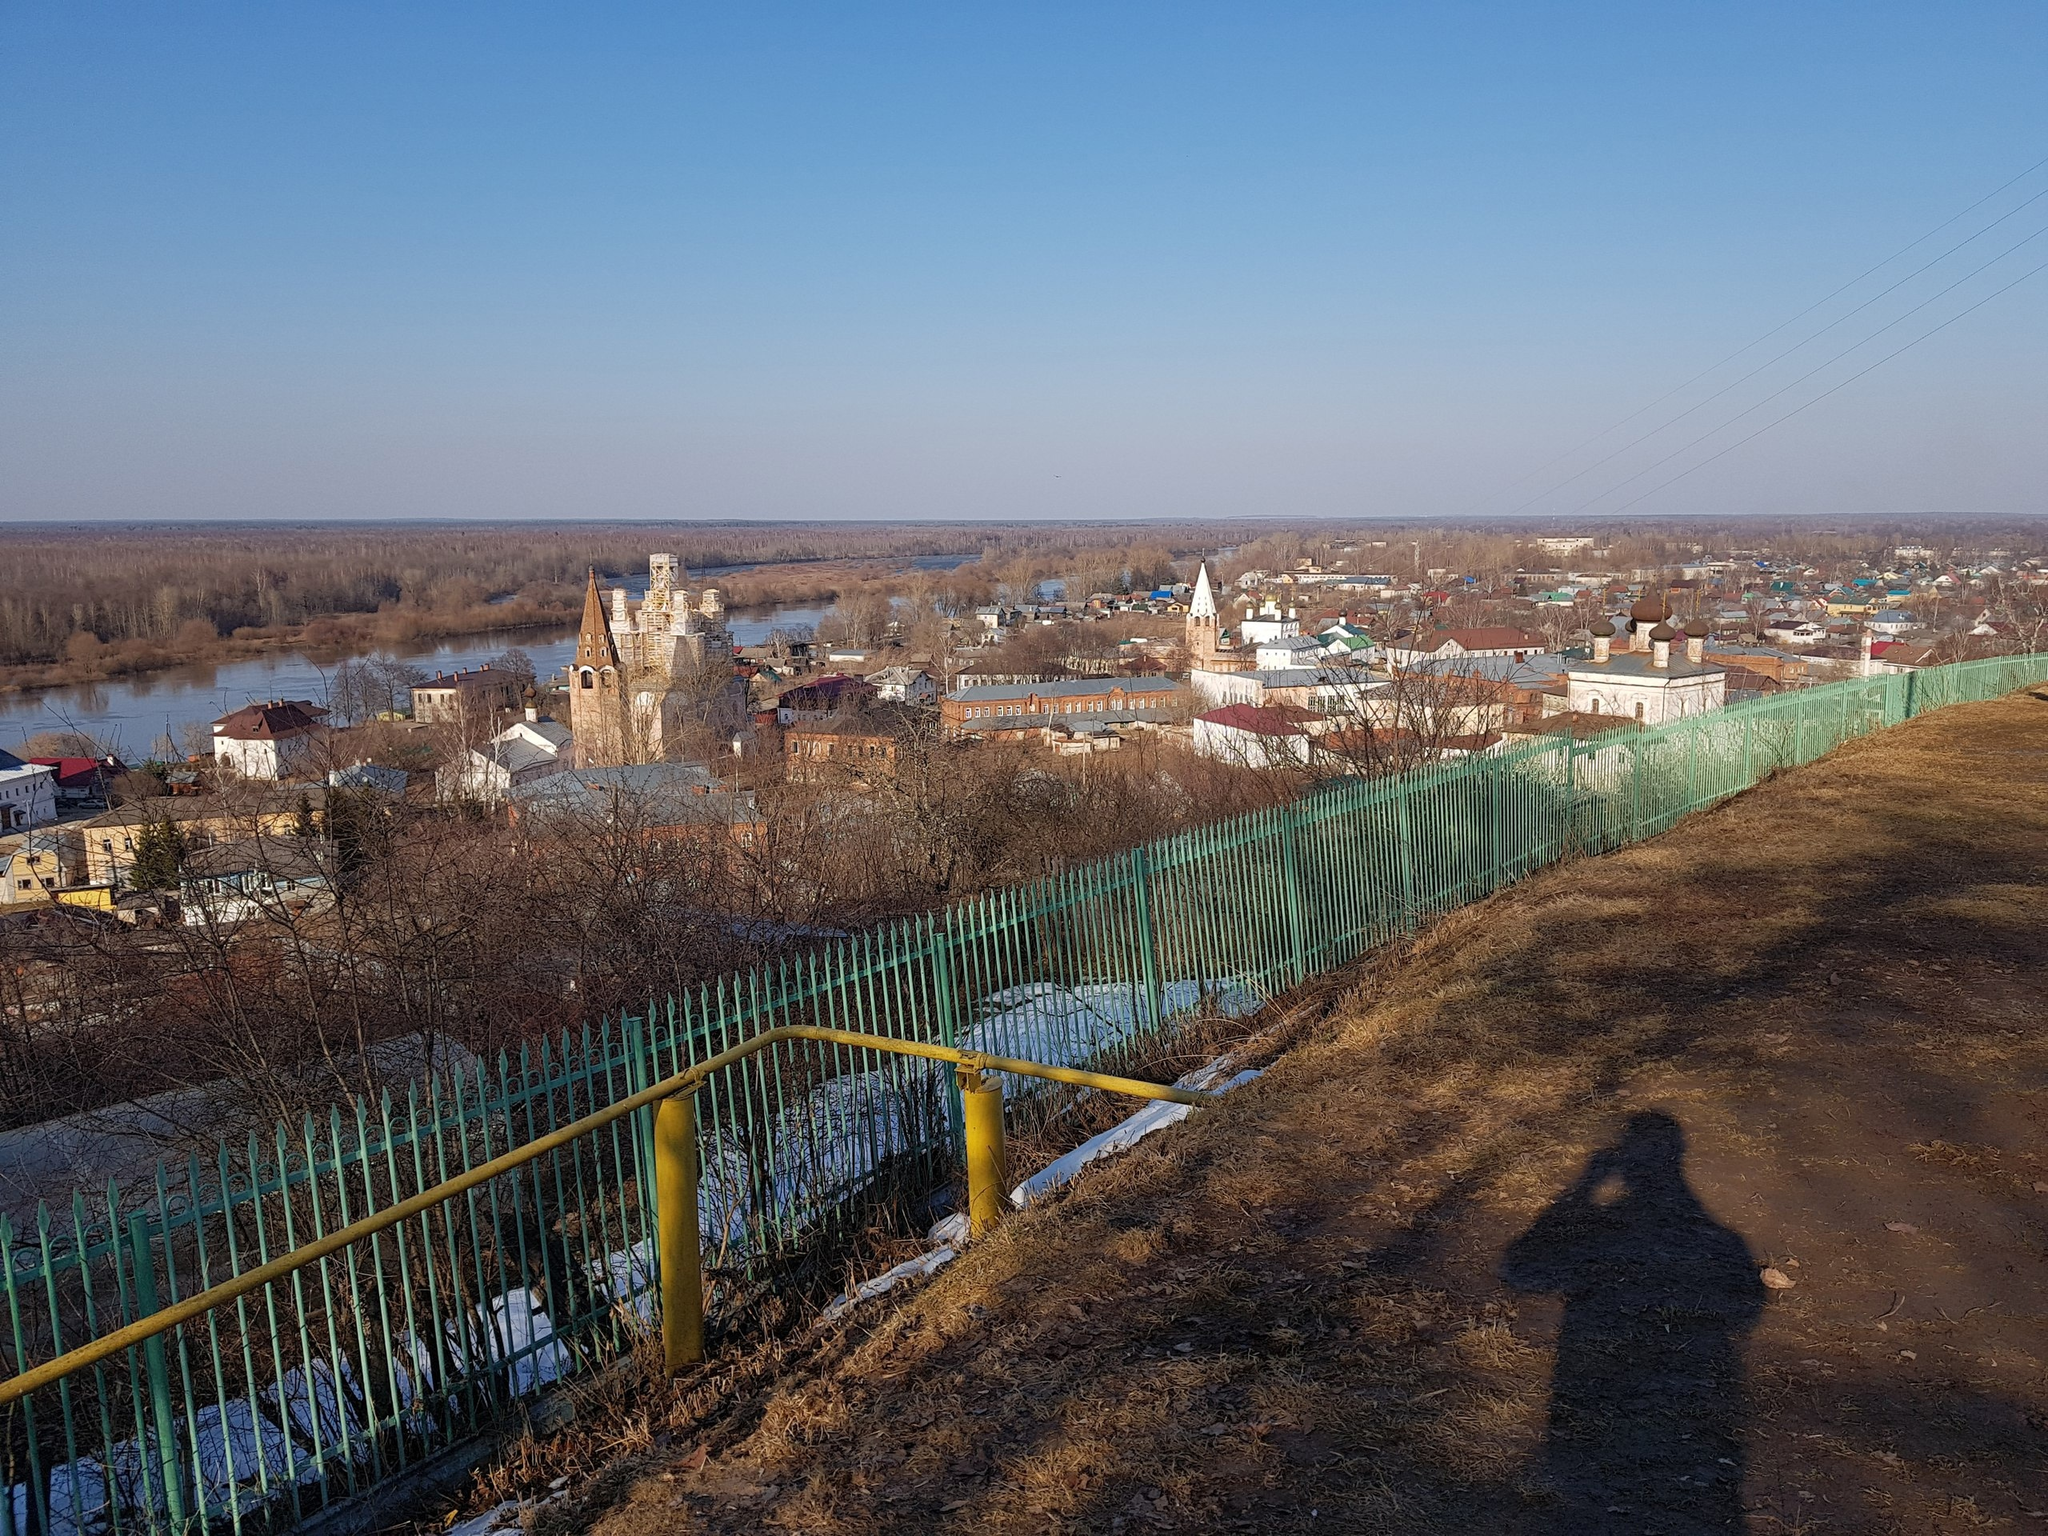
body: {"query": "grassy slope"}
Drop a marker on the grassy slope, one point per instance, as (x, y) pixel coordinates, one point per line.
(1289, 1314)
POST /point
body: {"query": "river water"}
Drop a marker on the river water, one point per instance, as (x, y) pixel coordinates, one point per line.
(140, 716)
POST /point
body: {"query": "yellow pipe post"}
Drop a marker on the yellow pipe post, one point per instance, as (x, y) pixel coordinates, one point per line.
(988, 1168)
(676, 1238)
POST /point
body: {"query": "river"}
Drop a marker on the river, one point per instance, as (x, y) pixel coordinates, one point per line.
(141, 716)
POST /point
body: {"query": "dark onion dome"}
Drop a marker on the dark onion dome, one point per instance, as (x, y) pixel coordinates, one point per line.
(1604, 629)
(1663, 632)
(1650, 608)
(1696, 629)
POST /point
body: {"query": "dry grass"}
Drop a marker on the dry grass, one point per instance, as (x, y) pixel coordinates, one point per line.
(1292, 1304)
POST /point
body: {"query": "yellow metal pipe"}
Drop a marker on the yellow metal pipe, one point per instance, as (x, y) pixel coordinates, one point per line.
(202, 1302)
(988, 1174)
(677, 1242)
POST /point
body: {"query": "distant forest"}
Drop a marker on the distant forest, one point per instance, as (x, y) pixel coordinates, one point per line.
(111, 597)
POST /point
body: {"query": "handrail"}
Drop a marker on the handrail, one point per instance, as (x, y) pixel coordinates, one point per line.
(970, 1063)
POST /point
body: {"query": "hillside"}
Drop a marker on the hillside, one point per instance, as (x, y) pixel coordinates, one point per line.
(1484, 1254)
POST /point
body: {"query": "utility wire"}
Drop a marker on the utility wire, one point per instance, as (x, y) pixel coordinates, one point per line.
(1759, 341)
(1845, 383)
(1773, 362)
(1817, 368)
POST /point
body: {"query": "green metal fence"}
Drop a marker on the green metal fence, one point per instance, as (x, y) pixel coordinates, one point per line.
(364, 1364)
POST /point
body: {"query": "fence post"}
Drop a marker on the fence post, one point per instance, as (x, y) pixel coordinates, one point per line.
(1290, 872)
(1748, 749)
(1799, 728)
(170, 1464)
(987, 1161)
(1404, 842)
(943, 946)
(1635, 786)
(679, 1245)
(1912, 687)
(1148, 949)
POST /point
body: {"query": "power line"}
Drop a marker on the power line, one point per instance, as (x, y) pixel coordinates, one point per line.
(1760, 340)
(1773, 362)
(1817, 368)
(1845, 383)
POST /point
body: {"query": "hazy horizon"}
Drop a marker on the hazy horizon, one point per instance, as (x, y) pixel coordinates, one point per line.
(634, 264)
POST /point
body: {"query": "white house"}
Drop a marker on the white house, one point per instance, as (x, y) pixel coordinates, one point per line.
(28, 794)
(1269, 623)
(270, 740)
(1890, 623)
(904, 685)
(524, 751)
(1284, 651)
(1412, 650)
(1255, 736)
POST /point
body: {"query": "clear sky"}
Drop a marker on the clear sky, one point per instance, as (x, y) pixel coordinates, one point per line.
(1037, 260)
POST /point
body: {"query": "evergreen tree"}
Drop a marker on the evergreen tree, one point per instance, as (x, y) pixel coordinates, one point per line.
(159, 850)
(303, 824)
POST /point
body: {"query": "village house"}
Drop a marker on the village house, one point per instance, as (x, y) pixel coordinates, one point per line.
(255, 877)
(850, 750)
(82, 782)
(28, 794)
(1411, 650)
(1256, 736)
(110, 838)
(34, 866)
(661, 802)
(525, 750)
(903, 685)
(269, 740)
(466, 694)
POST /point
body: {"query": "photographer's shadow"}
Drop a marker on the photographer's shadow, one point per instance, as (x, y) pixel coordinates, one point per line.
(1646, 1400)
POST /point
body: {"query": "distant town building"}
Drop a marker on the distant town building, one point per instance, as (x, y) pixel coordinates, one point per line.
(524, 751)
(82, 782)
(34, 866)
(1407, 651)
(903, 685)
(821, 698)
(855, 749)
(681, 802)
(28, 794)
(270, 740)
(1256, 736)
(465, 694)
(1139, 698)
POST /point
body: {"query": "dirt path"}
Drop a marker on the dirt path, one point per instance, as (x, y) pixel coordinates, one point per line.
(1486, 1255)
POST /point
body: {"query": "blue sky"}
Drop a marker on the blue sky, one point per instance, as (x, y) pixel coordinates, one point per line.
(403, 260)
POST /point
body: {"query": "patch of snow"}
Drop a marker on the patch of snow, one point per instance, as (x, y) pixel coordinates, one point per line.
(1126, 1133)
(910, 1269)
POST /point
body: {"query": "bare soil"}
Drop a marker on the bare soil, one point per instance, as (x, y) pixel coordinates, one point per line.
(1490, 1251)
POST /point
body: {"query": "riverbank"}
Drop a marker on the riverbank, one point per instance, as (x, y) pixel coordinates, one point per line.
(332, 637)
